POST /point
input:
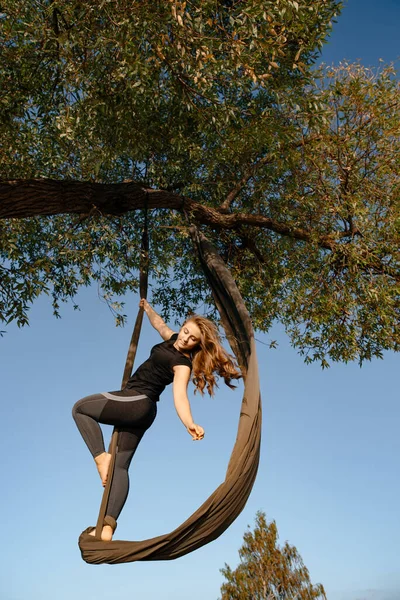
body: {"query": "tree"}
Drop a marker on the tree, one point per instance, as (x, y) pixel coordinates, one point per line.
(268, 571)
(212, 113)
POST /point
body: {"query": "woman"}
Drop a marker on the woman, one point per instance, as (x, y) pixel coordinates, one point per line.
(195, 351)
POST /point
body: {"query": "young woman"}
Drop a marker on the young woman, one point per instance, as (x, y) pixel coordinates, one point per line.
(195, 352)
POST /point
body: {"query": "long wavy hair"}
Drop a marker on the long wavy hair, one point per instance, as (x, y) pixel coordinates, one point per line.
(209, 358)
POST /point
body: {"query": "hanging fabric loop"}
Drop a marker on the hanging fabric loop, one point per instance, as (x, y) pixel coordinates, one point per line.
(224, 505)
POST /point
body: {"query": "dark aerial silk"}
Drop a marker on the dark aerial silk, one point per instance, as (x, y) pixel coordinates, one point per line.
(225, 504)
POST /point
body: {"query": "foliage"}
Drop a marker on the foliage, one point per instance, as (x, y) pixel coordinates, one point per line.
(268, 571)
(218, 102)
(97, 89)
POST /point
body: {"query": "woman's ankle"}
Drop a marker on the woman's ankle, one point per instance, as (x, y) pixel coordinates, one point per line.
(101, 457)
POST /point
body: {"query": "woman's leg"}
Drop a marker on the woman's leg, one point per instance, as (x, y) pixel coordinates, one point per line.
(87, 413)
(133, 416)
(128, 441)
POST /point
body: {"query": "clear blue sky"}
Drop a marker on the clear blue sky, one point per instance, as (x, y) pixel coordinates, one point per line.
(329, 472)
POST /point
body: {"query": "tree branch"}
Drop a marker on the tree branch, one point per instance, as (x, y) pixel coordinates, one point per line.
(251, 171)
(23, 198)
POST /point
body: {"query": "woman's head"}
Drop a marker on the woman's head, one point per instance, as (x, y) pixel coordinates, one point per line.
(200, 337)
(189, 337)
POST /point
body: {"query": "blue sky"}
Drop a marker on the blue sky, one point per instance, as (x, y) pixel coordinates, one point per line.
(330, 453)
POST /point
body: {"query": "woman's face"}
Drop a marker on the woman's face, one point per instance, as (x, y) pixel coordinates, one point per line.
(189, 337)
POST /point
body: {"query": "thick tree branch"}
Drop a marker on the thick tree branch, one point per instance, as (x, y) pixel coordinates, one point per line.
(44, 197)
(252, 246)
(23, 198)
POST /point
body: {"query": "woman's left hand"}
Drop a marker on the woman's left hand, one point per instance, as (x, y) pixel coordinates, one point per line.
(196, 431)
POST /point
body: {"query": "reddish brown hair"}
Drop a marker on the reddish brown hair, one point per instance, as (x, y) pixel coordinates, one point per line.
(210, 358)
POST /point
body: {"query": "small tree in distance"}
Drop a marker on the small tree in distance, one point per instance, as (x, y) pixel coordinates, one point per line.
(268, 571)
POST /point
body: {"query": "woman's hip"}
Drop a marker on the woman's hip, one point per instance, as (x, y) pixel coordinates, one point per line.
(112, 408)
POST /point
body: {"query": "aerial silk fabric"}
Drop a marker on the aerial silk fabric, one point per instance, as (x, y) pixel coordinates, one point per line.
(225, 504)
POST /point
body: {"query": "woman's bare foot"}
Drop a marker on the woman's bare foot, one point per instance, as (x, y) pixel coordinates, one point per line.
(106, 534)
(103, 463)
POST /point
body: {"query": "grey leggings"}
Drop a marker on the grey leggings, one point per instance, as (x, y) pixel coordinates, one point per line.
(132, 415)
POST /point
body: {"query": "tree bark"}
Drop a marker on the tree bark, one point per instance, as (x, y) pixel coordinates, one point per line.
(23, 198)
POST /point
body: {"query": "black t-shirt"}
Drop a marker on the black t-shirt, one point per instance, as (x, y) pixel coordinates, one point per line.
(157, 372)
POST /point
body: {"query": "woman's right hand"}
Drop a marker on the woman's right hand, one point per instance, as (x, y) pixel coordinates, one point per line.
(144, 304)
(196, 431)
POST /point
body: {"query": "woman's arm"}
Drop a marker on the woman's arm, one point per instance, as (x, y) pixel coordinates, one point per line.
(156, 321)
(181, 401)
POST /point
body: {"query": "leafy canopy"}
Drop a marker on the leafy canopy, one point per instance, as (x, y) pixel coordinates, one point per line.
(291, 171)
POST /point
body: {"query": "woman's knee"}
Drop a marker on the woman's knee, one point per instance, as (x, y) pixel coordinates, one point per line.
(123, 459)
(77, 407)
(85, 405)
